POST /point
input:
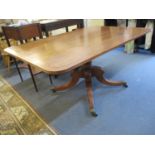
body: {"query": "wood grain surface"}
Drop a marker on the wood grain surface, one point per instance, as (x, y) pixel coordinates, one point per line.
(62, 53)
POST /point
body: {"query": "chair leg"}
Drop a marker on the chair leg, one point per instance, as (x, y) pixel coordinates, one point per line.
(8, 63)
(33, 79)
(50, 78)
(55, 76)
(16, 64)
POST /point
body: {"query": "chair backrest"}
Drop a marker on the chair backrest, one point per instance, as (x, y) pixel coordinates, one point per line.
(60, 26)
(22, 33)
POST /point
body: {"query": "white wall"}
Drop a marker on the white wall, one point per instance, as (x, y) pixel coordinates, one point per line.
(94, 22)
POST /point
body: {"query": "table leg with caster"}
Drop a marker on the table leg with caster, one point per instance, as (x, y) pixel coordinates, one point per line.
(87, 72)
(88, 82)
(71, 83)
(99, 74)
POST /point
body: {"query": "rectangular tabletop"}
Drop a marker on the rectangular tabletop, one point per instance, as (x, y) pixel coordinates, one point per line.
(62, 53)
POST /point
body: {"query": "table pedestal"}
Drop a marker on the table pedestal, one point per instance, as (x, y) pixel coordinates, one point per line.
(87, 72)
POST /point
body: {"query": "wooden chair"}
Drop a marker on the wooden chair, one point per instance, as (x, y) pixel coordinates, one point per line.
(24, 34)
(21, 34)
(5, 57)
(48, 26)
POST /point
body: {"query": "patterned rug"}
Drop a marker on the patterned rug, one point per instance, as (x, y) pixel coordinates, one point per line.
(17, 117)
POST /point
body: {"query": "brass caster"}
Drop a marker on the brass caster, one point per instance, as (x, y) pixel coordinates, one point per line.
(93, 113)
(125, 85)
(53, 90)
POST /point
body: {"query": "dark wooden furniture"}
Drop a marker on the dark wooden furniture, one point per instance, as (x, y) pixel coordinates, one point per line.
(140, 41)
(49, 26)
(153, 40)
(110, 22)
(23, 34)
(1, 34)
(74, 52)
(140, 23)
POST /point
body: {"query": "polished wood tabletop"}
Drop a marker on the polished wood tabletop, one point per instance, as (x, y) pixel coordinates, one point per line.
(62, 53)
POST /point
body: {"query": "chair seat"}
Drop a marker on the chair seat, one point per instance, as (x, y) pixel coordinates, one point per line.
(5, 57)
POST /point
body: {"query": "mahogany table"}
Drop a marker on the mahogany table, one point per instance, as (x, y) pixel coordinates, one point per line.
(74, 52)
